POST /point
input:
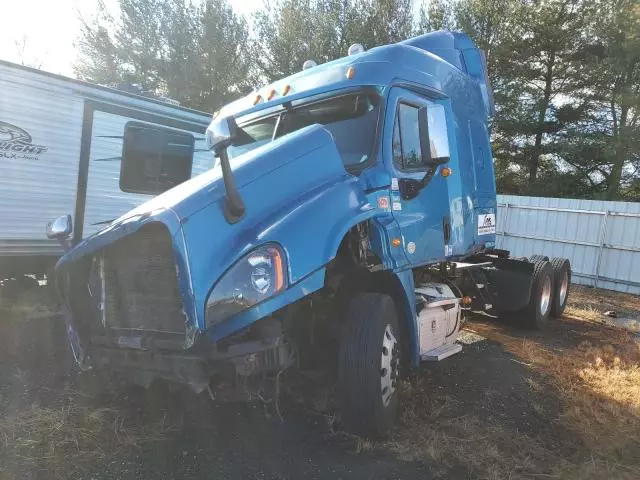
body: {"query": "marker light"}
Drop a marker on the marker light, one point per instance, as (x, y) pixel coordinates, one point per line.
(355, 49)
(257, 100)
(286, 89)
(445, 171)
(272, 94)
(350, 72)
(308, 64)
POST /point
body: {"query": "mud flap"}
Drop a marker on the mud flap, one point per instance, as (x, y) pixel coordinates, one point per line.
(510, 283)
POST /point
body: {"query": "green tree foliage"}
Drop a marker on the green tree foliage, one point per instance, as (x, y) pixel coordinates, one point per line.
(436, 15)
(194, 53)
(565, 79)
(610, 97)
(565, 73)
(286, 33)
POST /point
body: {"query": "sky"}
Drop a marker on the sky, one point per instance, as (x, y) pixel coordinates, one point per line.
(41, 33)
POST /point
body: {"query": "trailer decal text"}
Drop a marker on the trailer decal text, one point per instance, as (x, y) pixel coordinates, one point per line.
(17, 143)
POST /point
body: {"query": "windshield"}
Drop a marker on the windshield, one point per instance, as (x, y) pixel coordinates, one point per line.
(352, 119)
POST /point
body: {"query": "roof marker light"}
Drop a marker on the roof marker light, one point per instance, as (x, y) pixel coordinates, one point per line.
(350, 72)
(355, 49)
(286, 89)
(308, 64)
(257, 100)
(272, 94)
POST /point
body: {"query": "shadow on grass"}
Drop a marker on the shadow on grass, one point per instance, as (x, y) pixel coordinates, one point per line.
(57, 423)
(514, 404)
(562, 403)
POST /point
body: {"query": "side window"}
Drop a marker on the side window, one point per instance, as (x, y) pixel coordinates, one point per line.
(407, 152)
(411, 142)
(154, 159)
(438, 138)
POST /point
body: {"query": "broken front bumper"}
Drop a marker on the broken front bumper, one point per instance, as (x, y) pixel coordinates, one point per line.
(227, 366)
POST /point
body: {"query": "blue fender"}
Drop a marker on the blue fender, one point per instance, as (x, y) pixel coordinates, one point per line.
(408, 308)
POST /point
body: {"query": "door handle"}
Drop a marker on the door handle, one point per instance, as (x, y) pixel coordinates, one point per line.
(446, 229)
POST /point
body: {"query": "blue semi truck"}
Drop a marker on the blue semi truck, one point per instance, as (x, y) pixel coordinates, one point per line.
(365, 186)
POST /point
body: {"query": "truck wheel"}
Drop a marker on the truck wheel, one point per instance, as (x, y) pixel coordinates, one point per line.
(536, 314)
(368, 365)
(538, 258)
(562, 280)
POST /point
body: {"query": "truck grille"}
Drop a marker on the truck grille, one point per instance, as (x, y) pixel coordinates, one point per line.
(141, 285)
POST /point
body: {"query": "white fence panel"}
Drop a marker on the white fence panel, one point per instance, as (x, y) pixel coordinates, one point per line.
(601, 239)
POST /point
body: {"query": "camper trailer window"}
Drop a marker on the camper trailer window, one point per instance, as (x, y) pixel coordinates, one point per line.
(154, 159)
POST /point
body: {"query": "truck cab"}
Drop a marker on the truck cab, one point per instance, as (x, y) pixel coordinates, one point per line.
(348, 225)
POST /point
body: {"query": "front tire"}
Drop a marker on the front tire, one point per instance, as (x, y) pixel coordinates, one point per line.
(368, 367)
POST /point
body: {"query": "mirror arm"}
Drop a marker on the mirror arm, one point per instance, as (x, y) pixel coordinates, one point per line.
(233, 205)
(427, 176)
(65, 243)
(220, 136)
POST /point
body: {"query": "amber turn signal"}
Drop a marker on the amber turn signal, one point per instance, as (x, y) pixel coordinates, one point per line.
(466, 300)
(396, 242)
(350, 72)
(445, 171)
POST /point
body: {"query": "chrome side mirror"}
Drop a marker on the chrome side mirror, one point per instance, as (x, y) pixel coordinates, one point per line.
(221, 133)
(60, 228)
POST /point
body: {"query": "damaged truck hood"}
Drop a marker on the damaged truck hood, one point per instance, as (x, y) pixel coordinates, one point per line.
(298, 179)
(177, 205)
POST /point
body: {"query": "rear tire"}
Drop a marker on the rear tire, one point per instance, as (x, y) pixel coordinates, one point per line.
(562, 281)
(536, 314)
(538, 258)
(368, 366)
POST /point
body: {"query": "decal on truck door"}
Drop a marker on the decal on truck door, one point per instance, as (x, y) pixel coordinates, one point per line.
(486, 223)
(16, 143)
(383, 203)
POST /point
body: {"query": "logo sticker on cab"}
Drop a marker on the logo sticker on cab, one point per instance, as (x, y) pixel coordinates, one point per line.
(486, 223)
(383, 203)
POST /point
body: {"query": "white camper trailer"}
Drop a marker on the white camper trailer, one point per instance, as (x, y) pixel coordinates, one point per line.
(61, 152)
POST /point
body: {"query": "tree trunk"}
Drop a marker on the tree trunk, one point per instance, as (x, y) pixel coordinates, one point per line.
(534, 161)
(613, 181)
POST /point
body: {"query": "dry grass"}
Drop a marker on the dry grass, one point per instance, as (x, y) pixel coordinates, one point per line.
(586, 312)
(65, 440)
(50, 431)
(587, 303)
(598, 381)
(469, 443)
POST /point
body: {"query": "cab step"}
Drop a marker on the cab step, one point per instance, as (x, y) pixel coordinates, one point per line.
(441, 352)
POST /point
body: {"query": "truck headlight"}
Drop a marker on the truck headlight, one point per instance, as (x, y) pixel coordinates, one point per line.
(258, 276)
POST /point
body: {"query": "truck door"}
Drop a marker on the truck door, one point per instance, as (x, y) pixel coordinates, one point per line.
(416, 152)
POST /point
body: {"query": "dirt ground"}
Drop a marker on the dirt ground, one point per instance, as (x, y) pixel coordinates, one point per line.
(562, 403)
